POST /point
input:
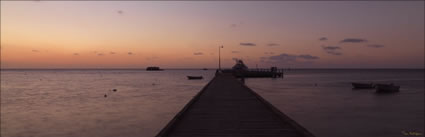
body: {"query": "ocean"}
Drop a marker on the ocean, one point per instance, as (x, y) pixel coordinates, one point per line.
(83, 103)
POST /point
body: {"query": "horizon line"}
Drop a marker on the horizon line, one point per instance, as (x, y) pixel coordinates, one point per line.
(195, 68)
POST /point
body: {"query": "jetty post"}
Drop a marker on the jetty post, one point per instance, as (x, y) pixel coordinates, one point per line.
(219, 58)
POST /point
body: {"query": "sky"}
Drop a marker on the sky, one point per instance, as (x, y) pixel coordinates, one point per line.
(188, 34)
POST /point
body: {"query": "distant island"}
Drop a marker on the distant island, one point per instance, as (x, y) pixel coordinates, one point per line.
(153, 69)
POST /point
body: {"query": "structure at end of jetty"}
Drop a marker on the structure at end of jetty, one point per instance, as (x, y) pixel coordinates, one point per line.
(241, 70)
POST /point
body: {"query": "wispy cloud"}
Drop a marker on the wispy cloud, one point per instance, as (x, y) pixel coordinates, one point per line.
(112, 53)
(375, 46)
(248, 44)
(333, 50)
(76, 54)
(273, 44)
(120, 12)
(289, 58)
(353, 40)
(331, 47)
(334, 53)
(100, 54)
(35, 50)
(306, 56)
(323, 39)
(269, 53)
(130, 53)
(235, 25)
(235, 52)
(198, 53)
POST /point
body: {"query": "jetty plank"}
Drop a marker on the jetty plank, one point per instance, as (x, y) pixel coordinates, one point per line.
(227, 108)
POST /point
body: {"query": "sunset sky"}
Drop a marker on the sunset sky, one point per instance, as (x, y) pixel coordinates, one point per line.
(177, 34)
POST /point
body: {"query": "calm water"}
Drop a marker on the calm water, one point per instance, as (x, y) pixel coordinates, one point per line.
(71, 103)
(334, 109)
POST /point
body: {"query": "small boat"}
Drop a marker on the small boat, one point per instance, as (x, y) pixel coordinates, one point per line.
(204, 69)
(194, 77)
(362, 85)
(387, 88)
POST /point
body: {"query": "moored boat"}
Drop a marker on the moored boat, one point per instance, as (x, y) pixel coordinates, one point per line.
(387, 88)
(362, 85)
(194, 77)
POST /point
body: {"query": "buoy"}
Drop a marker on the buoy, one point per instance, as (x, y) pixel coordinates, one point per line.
(105, 95)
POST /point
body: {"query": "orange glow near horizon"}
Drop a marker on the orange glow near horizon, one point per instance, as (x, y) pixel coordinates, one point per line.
(53, 34)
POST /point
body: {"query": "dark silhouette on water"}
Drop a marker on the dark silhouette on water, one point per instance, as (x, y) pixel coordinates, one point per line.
(387, 88)
(357, 85)
(194, 77)
(153, 69)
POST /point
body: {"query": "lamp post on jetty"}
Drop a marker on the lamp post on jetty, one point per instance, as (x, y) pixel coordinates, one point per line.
(219, 58)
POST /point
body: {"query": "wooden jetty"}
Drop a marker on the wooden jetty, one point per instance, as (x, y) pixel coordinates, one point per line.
(227, 108)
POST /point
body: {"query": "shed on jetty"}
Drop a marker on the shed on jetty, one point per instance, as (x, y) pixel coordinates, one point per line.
(241, 70)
